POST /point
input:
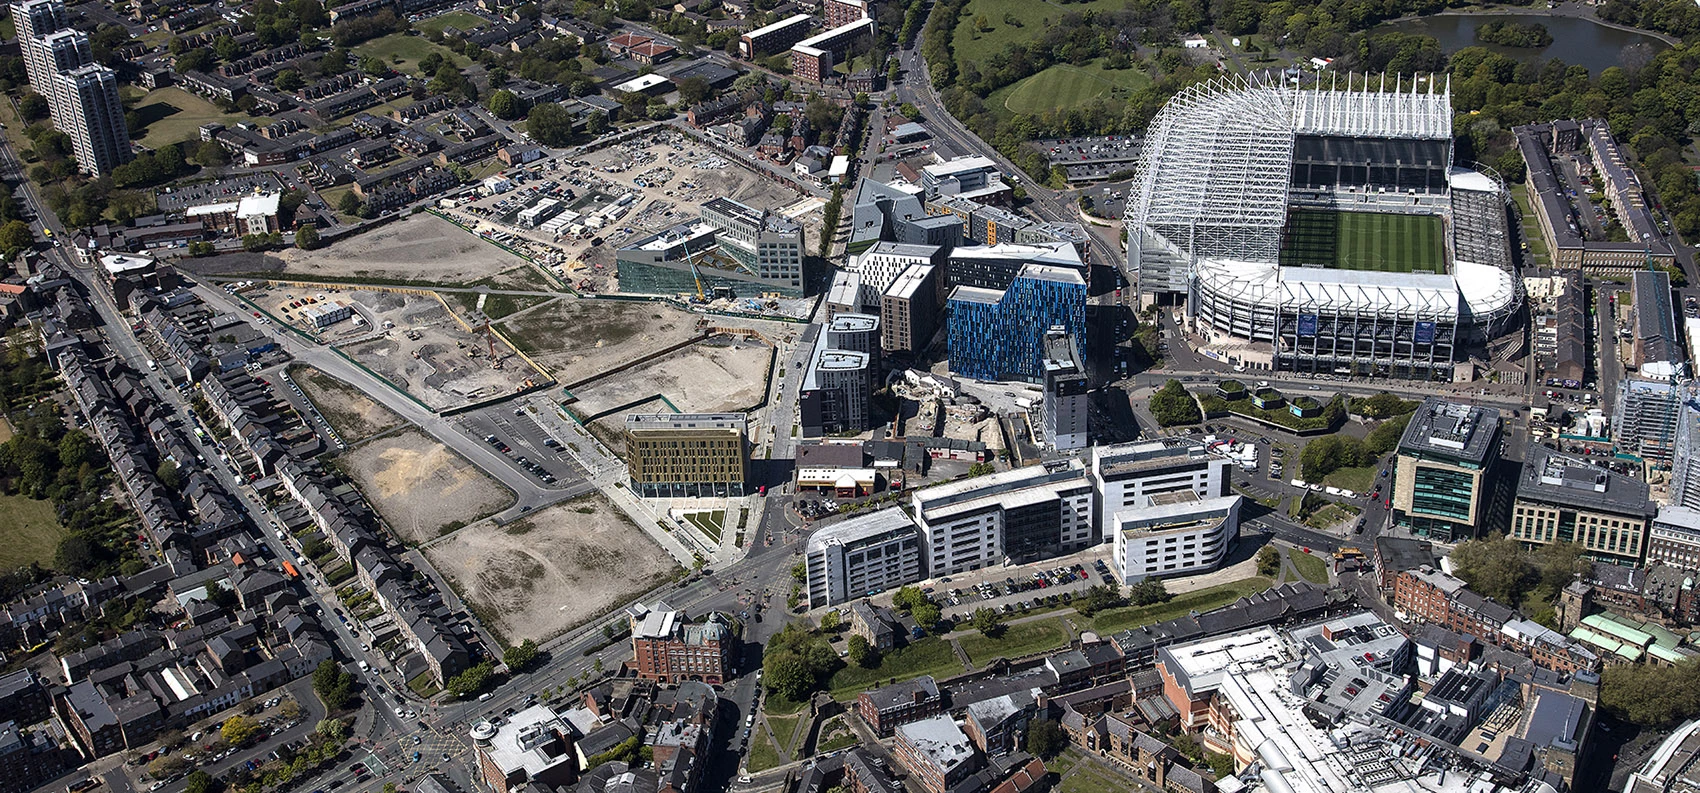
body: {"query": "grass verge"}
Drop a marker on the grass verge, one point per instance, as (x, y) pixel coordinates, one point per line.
(1202, 600)
(927, 656)
(1310, 566)
(762, 754)
(1017, 641)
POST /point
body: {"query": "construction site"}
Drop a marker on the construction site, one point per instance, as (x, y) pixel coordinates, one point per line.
(715, 375)
(581, 211)
(419, 346)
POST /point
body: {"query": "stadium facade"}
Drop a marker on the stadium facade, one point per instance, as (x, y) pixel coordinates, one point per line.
(1227, 163)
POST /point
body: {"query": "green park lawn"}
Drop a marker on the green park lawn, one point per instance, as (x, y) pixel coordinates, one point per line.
(762, 754)
(31, 529)
(1064, 86)
(926, 656)
(1079, 774)
(972, 44)
(1358, 479)
(1017, 640)
(456, 19)
(1114, 620)
(410, 50)
(1311, 567)
(173, 115)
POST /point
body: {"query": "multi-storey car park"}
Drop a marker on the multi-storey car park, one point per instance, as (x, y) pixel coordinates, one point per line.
(1322, 230)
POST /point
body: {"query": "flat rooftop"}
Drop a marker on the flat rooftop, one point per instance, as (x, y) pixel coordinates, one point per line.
(1449, 429)
(1553, 477)
(686, 421)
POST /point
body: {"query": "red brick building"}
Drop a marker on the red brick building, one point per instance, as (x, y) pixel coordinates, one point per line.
(668, 649)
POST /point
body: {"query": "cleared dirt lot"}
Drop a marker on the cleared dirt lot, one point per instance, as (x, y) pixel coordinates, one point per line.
(352, 413)
(427, 353)
(707, 377)
(575, 339)
(703, 378)
(422, 248)
(420, 486)
(561, 567)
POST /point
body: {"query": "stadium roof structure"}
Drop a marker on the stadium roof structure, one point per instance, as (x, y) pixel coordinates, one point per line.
(1220, 153)
(1211, 198)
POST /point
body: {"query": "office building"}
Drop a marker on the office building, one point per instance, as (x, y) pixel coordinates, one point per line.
(1000, 335)
(1173, 534)
(1645, 418)
(1443, 484)
(974, 177)
(1067, 401)
(909, 310)
(863, 556)
(1128, 475)
(813, 58)
(81, 95)
(675, 455)
(1022, 514)
(534, 746)
(668, 648)
(842, 375)
(1563, 498)
(775, 37)
(886, 213)
(770, 243)
(996, 266)
(1674, 538)
(936, 752)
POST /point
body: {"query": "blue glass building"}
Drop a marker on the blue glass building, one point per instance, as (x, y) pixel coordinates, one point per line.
(1000, 335)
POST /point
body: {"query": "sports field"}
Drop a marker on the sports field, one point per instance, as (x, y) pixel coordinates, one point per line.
(1064, 86)
(1364, 241)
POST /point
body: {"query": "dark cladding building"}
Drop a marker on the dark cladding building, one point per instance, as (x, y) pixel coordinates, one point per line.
(1443, 485)
(1565, 498)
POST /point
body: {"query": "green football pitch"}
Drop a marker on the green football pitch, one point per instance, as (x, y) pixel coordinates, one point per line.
(1364, 241)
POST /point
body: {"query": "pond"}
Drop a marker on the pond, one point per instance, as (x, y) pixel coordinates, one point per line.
(1576, 40)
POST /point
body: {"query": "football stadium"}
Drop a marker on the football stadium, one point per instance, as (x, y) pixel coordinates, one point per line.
(1322, 229)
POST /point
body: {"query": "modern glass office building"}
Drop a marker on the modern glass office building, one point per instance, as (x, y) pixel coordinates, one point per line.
(1000, 335)
(1442, 487)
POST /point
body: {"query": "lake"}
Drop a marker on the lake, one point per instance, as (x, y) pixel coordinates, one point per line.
(1575, 40)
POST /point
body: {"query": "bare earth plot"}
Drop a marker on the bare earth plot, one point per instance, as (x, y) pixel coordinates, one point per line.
(575, 339)
(428, 354)
(352, 413)
(421, 249)
(561, 567)
(701, 378)
(420, 486)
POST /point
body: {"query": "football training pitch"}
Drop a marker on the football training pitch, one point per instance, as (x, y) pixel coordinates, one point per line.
(1364, 241)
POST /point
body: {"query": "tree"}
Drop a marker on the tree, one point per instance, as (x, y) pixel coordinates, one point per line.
(909, 111)
(1329, 453)
(694, 89)
(979, 469)
(167, 473)
(988, 622)
(860, 652)
(1097, 598)
(1172, 405)
(1652, 697)
(926, 615)
(348, 204)
(288, 80)
(307, 237)
(333, 684)
(550, 124)
(830, 622)
(1268, 561)
(505, 105)
(520, 656)
(199, 781)
(1494, 567)
(334, 729)
(33, 107)
(796, 661)
(472, 680)
(238, 730)
(906, 598)
(15, 236)
(1149, 592)
(1045, 738)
